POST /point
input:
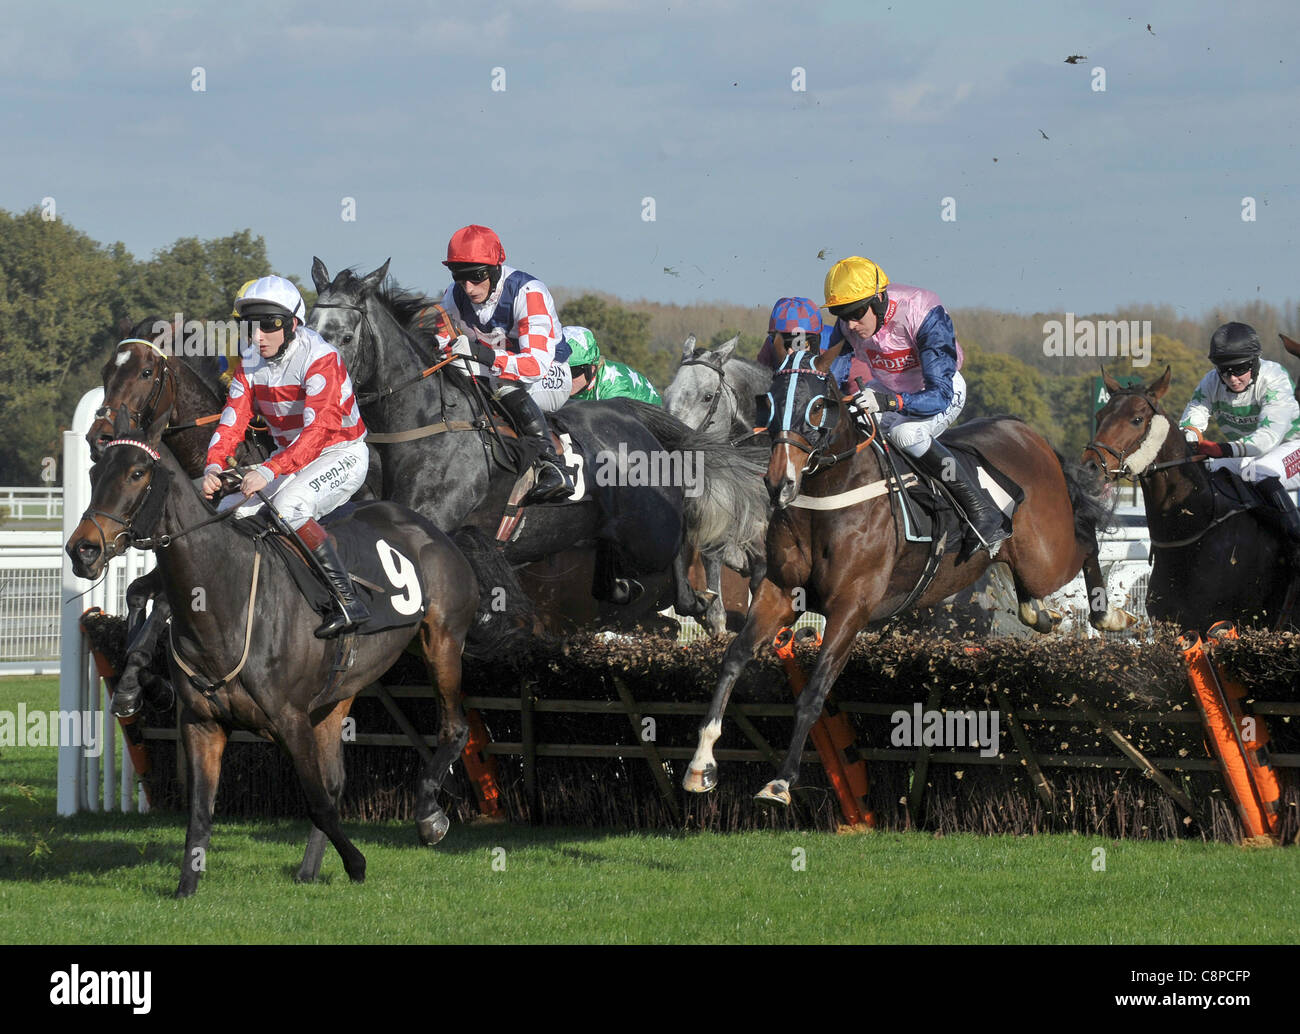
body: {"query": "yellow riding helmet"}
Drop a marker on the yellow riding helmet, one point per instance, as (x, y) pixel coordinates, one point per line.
(234, 313)
(854, 279)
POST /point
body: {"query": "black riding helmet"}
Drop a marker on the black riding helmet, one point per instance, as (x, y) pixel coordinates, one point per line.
(1234, 344)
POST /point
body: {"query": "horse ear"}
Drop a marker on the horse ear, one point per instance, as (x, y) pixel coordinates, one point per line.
(1112, 385)
(320, 276)
(1290, 344)
(688, 347)
(724, 350)
(373, 280)
(124, 326)
(1158, 389)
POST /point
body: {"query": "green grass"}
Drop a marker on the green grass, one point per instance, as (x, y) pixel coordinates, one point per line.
(108, 879)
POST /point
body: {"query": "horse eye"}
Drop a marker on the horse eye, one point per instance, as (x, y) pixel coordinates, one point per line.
(147, 372)
(136, 475)
(1137, 421)
(347, 338)
(708, 397)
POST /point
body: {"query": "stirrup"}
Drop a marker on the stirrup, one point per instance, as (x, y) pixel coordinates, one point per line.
(561, 490)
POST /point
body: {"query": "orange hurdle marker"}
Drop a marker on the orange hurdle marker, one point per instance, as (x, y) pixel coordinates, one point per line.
(832, 735)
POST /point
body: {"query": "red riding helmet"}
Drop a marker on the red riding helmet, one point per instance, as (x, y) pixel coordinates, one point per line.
(477, 245)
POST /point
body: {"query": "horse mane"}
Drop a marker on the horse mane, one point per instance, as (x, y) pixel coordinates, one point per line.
(405, 304)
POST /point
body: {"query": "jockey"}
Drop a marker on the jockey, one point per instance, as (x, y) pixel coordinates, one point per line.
(297, 382)
(906, 369)
(1253, 401)
(596, 378)
(514, 337)
(796, 320)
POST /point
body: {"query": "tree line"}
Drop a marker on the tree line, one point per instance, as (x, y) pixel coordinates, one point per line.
(66, 300)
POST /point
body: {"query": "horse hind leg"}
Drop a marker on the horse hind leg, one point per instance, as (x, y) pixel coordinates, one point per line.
(333, 775)
(1101, 615)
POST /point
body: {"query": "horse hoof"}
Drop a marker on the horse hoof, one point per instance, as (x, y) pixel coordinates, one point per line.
(125, 704)
(700, 781)
(775, 792)
(433, 828)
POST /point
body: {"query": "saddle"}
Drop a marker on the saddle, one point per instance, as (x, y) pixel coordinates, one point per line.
(927, 510)
(391, 584)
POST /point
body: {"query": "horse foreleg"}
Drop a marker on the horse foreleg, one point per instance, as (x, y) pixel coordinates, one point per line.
(1101, 615)
(142, 639)
(311, 763)
(333, 773)
(715, 613)
(205, 742)
(442, 652)
(842, 627)
(772, 608)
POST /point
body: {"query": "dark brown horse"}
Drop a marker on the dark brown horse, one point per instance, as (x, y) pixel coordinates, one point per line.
(1215, 560)
(849, 555)
(251, 644)
(142, 378)
(146, 376)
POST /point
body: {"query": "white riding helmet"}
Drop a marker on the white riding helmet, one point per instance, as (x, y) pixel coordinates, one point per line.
(271, 296)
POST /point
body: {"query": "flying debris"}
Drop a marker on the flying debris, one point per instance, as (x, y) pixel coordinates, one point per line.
(1074, 59)
(1044, 135)
(1150, 30)
(670, 271)
(822, 254)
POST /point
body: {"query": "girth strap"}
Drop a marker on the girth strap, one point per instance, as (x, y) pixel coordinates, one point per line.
(248, 637)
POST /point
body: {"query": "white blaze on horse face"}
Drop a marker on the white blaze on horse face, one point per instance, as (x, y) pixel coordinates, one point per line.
(123, 356)
(1145, 454)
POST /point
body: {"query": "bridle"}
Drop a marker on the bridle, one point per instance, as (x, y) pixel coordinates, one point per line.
(1121, 469)
(794, 368)
(723, 386)
(138, 526)
(144, 415)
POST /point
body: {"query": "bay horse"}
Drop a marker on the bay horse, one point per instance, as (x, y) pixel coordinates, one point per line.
(148, 378)
(1215, 559)
(145, 376)
(835, 534)
(256, 626)
(446, 472)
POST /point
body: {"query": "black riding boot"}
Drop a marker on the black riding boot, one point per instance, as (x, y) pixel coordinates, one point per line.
(1280, 499)
(349, 610)
(553, 478)
(985, 518)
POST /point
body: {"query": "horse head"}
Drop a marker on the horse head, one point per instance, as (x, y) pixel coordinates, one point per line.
(1132, 429)
(137, 377)
(804, 415)
(700, 395)
(128, 488)
(346, 311)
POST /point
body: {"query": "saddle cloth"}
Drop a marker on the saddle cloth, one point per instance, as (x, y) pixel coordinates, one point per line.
(932, 512)
(389, 582)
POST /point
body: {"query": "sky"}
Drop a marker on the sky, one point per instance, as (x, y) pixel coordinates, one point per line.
(757, 135)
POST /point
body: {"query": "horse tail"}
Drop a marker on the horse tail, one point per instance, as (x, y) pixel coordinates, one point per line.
(1093, 506)
(728, 509)
(505, 618)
